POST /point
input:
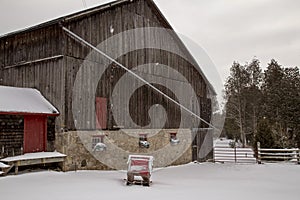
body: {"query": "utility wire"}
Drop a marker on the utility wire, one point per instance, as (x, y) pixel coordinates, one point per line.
(76, 37)
(84, 3)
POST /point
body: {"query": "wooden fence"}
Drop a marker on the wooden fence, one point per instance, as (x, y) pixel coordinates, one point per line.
(233, 155)
(276, 155)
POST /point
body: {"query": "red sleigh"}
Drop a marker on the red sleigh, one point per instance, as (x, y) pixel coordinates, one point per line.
(140, 166)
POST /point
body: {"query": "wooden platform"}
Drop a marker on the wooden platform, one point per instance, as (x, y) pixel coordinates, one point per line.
(34, 159)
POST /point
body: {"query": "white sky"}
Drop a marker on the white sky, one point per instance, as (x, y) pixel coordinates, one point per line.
(228, 30)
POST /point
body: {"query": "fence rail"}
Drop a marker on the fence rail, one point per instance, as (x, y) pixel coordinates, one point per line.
(235, 155)
(276, 155)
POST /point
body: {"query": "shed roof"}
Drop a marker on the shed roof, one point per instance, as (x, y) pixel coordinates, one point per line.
(15, 100)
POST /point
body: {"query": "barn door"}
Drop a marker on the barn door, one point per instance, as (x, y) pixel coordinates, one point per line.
(35, 134)
(101, 112)
(202, 146)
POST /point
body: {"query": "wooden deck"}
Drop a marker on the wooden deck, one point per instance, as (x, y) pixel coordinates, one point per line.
(33, 159)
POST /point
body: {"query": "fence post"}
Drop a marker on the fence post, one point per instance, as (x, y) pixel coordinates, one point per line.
(2, 151)
(235, 154)
(298, 157)
(258, 153)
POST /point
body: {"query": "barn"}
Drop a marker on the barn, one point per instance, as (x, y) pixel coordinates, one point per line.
(80, 63)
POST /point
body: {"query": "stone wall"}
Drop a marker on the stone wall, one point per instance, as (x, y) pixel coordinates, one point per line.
(78, 156)
(81, 154)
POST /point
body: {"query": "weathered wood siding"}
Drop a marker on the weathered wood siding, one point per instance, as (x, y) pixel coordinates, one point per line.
(48, 77)
(30, 46)
(95, 29)
(32, 59)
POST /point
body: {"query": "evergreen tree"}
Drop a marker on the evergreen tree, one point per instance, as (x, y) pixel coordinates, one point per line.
(243, 100)
(281, 100)
(272, 97)
(254, 98)
(264, 134)
(235, 108)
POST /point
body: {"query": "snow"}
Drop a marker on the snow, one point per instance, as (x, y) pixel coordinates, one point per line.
(24, 100)
(100, 147)
(2, 165)
(223, 142)
(193, 181)
(138, 168)
(38, 155)
(141, 157)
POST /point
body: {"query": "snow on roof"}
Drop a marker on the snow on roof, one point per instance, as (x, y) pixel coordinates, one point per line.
(141, 157)
(38, 155)
(24, 100)
(2, 165)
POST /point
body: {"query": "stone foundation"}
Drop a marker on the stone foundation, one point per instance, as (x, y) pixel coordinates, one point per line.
(81, 154)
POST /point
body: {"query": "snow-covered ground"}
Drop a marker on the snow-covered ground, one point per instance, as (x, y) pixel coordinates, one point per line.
(193, 181)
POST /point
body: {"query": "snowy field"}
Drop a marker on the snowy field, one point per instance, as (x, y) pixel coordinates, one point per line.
(193, 181)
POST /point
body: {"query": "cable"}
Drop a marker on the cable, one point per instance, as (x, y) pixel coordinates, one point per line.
(84, 3)
(76, 37)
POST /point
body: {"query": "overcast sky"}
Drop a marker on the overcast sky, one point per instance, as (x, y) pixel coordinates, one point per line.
(228, 30)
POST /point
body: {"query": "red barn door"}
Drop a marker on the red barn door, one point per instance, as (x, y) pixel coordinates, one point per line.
(35, 134)
(101, 113)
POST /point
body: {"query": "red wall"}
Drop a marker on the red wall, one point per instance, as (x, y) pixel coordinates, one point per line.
(101, 112)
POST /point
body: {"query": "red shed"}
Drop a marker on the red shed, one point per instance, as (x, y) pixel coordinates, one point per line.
(34, 108)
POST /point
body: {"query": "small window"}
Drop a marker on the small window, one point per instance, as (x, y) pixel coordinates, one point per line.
(98, 143)
(173, 138)
(143, 141)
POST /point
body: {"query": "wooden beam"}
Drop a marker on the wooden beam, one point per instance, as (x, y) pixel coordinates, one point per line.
(33, 61)
(30, 114)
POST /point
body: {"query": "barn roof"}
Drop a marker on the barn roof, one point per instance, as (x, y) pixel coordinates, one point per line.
(86, 12)
(111, 5)
(24, 101)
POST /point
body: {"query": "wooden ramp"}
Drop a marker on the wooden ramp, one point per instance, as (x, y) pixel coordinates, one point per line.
(33, 159)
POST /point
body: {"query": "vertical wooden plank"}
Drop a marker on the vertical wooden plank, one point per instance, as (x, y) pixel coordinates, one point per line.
(2, 57)
(258, 153)
(57, 83)
(10, 48)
